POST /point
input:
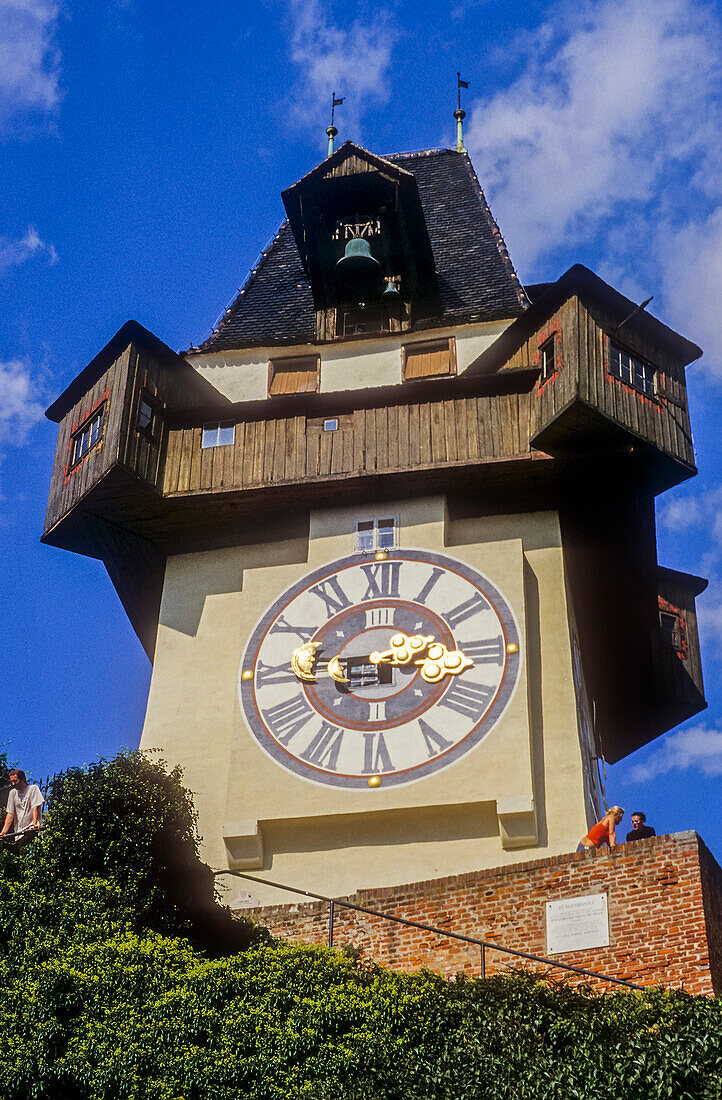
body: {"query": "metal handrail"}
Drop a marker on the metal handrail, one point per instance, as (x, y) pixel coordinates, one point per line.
(484, 945)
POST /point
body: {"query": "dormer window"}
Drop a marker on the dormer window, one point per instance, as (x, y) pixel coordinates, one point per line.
(301, 374)
(429, 359)
(632, 370)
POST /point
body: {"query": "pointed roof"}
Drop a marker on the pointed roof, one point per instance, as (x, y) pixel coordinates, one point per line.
(475, 276)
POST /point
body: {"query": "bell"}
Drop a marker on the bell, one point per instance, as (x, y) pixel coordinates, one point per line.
(391, 290)
(358, 273)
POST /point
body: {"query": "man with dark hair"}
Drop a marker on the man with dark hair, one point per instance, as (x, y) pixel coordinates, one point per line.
(22, 813)
(639, 830)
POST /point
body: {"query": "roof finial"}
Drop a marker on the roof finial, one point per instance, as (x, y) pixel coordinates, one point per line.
(331, 130)
(460, 115)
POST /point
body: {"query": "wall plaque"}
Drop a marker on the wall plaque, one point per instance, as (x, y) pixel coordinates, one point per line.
(576, 924)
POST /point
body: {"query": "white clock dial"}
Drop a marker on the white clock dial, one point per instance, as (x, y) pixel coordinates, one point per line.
(379, 670)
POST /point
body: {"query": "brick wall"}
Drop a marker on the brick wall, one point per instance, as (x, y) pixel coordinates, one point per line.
(664, 899)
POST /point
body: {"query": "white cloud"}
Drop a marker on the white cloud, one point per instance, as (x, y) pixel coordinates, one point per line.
(29, 59)
(14, 252)
(698, 747)
(691, 259)
(701, 511)
(20, 409)
(353, 60)
(611, 98)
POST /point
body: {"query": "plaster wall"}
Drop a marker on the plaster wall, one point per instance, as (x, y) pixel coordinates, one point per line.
(351, 365)
(521, 788)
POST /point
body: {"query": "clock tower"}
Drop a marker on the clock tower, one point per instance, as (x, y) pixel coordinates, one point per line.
(388, 537)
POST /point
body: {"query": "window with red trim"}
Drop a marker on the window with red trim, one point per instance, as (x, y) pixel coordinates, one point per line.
(87, 436)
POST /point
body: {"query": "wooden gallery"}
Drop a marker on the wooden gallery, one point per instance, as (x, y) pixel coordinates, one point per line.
(388, 538)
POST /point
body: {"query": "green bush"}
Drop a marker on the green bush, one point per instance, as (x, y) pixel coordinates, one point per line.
(99, 1003)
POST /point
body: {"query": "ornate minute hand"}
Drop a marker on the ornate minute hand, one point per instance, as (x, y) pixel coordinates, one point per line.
(403, 649)
(438, 662)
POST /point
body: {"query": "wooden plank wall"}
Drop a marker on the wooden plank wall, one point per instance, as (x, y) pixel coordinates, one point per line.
(141, 454)
(673, 671)
(395, 437)
(552, 396)
(663, 420)
(68, 487)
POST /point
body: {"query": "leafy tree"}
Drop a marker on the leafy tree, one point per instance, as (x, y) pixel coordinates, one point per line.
(130, 822)
(4, 771)
(102, 999)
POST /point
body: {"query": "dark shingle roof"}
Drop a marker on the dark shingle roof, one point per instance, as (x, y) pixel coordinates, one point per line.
(475, 276)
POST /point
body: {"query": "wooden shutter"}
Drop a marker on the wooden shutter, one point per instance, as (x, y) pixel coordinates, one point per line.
(297, 375)
(429, 358)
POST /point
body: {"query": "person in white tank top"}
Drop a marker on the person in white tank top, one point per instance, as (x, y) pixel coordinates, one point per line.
(22, 813)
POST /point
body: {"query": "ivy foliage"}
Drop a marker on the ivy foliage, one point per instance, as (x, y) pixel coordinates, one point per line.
(113, 988)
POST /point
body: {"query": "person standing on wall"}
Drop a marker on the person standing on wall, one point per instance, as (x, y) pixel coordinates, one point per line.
(604, 832)
(22, 813)
(640, 830)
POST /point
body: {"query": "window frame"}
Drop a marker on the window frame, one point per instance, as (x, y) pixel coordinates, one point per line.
(86, 426)
(434, 344)
(152, 430)
(376, 521)
(547, 346)
(218, 426)
(675, 639)
(277, 366)
(617, 350)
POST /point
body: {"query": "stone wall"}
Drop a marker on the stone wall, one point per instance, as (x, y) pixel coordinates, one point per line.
(664, 899)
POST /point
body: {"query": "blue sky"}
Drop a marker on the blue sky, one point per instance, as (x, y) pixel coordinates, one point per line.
(143, 148)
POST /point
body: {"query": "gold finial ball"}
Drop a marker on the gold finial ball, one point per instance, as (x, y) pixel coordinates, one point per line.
(247, 674)
(375, 781)
(512, 648)
(381, 555)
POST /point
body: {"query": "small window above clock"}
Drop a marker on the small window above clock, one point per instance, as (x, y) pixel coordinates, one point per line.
(375, 534)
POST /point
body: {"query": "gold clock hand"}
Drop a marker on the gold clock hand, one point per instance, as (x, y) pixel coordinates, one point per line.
(303, 660)
(440, 662)
(403, 649)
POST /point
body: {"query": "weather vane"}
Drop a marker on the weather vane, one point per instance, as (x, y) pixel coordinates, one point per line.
(331, 130)
(460, 115)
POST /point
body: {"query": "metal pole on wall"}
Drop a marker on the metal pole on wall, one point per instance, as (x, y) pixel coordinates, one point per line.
(483, 962)
(330, 924)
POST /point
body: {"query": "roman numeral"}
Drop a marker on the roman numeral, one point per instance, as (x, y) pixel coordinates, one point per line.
(382, 578)
(435, 743)
(472, 606)
(490, 652)
(379, 616)
(324, 747)
(423, 594)
(287, 718)
(273, 674)
(377, 710)
(468, 699)
(332, 594)
(280, 626)
(376, 753)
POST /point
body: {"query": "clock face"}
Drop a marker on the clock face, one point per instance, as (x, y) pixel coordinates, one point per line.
(379, 671)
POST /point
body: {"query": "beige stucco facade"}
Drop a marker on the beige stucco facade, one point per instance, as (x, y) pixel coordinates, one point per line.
(352, 365)
(517, 794)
